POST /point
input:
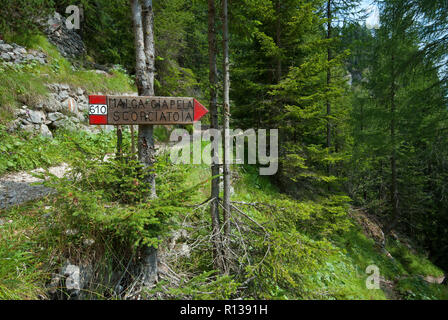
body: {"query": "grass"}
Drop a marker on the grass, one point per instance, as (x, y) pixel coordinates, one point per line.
(22, 260)
(415, 288)
(413, 262)
(23, 151)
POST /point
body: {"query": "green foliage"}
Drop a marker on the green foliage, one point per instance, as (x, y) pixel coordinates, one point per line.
(20, 152)
(23, 261)
(120, 211)
(416, 288)
(398, 127)
(414, 262)
(205, 286)
(21, 16)
(23, 151)
(19, 85)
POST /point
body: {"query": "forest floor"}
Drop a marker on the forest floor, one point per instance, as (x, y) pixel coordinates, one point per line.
(21, 187)
(372, 229)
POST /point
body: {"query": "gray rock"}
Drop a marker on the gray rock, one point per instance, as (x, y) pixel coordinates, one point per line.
(13, 125)
(88, 242)
(71, 232)
(72, 279)
(52, 105)
(19, 51)
(24, 121)
(27, 127)
(79, 91)
(55, 284)
(63, 95)
(53, 87)
(75, 119)
(5, 56)
(37, 117)
(54, 116)
(44, 131)
(41, 60)
(64, 124)
(5, 47)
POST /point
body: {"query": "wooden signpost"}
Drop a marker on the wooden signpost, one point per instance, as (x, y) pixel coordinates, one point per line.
(135, 110)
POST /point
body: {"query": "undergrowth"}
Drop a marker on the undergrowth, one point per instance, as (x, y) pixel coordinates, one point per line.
(285, 248)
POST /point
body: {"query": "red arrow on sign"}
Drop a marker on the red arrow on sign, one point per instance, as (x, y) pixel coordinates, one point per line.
(199, 110)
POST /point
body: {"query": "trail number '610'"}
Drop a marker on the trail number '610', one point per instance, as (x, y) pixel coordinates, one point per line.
(98, 109)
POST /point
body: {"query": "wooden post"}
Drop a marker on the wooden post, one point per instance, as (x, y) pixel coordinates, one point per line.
(119, 154)
(132, 141)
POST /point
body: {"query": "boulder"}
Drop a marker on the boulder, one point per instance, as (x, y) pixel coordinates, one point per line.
(5, 47)
(55, 116)
(45, 131)
(64, 123)
(37, 117)
(63, 95)
(70, 105)
(51, 105)
(5, 56)
(27, 127)
(72, 279)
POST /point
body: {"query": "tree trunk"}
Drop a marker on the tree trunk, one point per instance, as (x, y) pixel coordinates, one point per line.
(393, 159)
(144, 50)
(146, 137)
(216, 237)
(278, 41)
(226, 119)
(329, 57)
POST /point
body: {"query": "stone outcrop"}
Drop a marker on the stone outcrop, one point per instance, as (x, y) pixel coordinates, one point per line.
(71, 282)
(66, 108)
(68, 41)
(15, 54)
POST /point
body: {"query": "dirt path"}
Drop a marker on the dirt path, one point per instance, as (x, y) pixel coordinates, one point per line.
(17, 188)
